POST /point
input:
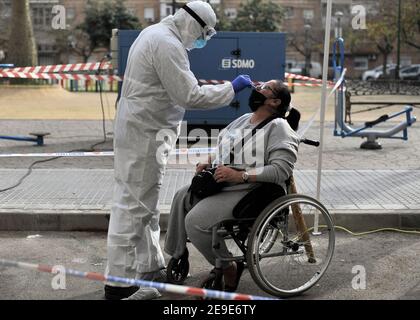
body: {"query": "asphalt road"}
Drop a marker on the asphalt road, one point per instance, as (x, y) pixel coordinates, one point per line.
(390, 261)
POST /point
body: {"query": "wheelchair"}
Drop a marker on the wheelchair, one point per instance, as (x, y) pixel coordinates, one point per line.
(284, 257)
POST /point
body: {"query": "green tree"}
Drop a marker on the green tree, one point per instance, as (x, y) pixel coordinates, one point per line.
(100, 18)
(259, 16)
(223, 22)
(21, 47)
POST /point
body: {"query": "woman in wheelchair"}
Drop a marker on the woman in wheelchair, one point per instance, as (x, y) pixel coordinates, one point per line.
(193, 218)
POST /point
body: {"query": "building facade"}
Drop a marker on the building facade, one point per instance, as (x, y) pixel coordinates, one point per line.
(304, 23)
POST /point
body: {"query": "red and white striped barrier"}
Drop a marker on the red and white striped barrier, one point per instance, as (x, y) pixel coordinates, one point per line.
(58, 72)
(57, 76)
(303, 78)
(60, 68)
(257, 83)
(306, 84)
(66, 76)
(165, 287)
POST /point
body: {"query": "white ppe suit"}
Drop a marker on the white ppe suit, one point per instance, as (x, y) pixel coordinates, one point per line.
(158, 86)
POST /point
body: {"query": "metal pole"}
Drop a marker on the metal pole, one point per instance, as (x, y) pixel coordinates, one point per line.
(340, 33)
(307, 27)
(173, 6)
(323, 106)
(397, 68)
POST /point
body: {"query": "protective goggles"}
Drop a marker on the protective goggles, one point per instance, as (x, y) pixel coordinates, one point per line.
(265, 86)
(208, 32)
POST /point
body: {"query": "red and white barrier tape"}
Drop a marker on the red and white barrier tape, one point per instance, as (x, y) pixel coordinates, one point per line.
(94, 66)
(303, 78)
(165, 287)
(60, 68)
(257, 83)
(57, 72)
(57, 76)
(65, 76)
(306, 85)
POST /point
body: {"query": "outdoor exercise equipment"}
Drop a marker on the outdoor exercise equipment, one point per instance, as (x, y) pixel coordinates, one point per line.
(366, 131)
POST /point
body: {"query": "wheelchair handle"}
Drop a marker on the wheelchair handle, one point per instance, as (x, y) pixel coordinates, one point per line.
(310, 142)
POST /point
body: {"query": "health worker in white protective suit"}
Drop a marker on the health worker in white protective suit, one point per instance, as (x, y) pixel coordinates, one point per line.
(158, 86)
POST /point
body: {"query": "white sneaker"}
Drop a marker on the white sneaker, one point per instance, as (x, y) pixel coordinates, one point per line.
(144, 293)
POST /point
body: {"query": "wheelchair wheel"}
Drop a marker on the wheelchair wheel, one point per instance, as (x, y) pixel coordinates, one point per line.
(177, 269)
(284, 258)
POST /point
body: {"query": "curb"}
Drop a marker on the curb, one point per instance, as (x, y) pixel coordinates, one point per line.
(366, 220)
(97, 220)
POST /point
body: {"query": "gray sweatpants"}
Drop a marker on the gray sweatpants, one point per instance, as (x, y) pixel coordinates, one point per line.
(195, 222)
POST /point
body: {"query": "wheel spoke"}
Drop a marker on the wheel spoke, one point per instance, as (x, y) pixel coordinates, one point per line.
(294, 260)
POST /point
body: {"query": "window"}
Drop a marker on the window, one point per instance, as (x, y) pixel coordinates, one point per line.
(47, 16)
(41, 16)
(70, 13)
(410, 70)
(5, 10)
(361, 63)
(132, 11)
(231, 13)
(289, 12)
(37, 16)
(149, 14)
(308, 14)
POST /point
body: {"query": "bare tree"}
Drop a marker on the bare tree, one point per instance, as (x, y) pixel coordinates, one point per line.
(22, 48)
(382, 31)
(411, 23)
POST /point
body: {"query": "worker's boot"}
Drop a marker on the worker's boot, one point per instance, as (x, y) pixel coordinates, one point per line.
(119, 293)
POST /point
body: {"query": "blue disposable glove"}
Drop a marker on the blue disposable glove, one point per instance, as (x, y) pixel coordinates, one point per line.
(241, 82)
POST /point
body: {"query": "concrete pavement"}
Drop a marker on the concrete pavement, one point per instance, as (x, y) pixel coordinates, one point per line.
(389, 260)
(374, 188)
(365, 189)
(81, 199)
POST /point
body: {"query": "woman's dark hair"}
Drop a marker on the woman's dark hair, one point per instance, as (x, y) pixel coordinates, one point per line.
(281, 91)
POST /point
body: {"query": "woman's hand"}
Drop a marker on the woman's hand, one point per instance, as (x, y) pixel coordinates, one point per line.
(201, 166)
(226, 174)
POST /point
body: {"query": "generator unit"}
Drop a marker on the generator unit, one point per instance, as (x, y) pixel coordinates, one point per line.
(262, 55)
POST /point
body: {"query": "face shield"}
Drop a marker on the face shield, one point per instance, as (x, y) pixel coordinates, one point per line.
(207, 32)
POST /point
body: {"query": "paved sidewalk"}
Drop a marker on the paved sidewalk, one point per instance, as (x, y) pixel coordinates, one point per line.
(362, 188)
(338, 153)
(80, 199)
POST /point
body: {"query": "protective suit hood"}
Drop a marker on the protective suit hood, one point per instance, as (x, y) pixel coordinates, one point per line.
(189, 29)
